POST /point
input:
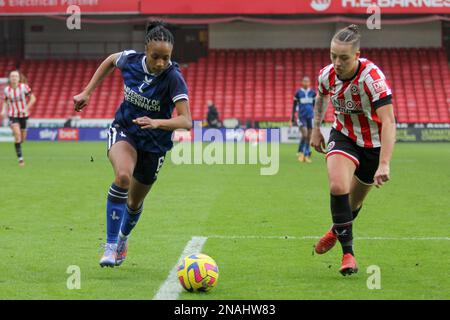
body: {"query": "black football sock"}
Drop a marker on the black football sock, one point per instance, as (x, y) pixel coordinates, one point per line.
(342, 221)
(18, 150)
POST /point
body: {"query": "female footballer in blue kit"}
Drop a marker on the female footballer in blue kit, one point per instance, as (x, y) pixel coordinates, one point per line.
(140, 134)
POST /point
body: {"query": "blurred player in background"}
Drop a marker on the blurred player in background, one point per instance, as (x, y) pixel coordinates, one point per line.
(304, 107)
(362, 138)
(212, 116)
(140, 134)
(18, 100)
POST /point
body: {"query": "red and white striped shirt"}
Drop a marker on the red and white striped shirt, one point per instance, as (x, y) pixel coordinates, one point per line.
(356, 100)
(17, 100)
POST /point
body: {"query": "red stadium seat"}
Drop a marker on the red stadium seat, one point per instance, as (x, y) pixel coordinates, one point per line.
(249, 84)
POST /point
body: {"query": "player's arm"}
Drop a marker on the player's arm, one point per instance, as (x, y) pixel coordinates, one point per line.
(105, 68)
(4, 107)
(294, 107)
(31, 102)
(387, 118)
(182, 121)
(320, 108)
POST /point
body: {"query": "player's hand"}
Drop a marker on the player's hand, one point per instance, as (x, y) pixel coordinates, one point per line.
(381, 175)
(80, 101)
(318, 141)
(146, 123)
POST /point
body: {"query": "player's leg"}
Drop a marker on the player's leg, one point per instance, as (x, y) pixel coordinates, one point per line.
(302, 146)
(358, 193)
(136, 196)
(308, 141)
(342, 162)
(15, 128)
(23, 134)
(122, 156)
(138, 192)
(23, 129)
(144, 177)
(363, 178)
(340, 176)
(340, 173)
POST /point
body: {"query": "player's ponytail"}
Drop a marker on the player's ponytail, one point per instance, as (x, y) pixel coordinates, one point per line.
(349, 35)
(157, 31)
(23, 78)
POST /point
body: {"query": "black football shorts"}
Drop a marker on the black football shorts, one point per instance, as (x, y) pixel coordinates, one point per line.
(365, 159)
(148, 163)
(21, 121)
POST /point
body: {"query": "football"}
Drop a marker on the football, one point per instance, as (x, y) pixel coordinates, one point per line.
(198, 273)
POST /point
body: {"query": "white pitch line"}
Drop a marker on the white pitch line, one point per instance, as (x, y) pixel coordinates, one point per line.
(171, 288)
(218, 236)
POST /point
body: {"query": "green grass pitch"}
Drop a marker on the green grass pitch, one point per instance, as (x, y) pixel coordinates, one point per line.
(52, 216)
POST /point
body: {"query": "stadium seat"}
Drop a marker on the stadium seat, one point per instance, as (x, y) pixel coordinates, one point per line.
(249, 84)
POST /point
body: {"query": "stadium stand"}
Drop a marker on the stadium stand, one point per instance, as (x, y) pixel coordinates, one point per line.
(6, 65)
(250, 84)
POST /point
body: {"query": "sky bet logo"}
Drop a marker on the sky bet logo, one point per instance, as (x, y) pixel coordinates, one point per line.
(65, 134)
(48, 134)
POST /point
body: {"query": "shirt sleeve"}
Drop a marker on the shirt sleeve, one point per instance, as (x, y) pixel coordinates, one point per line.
(122, 59)
(178, 89)
(26, 90)
(323, 84)
(377, 88)
(5, 94)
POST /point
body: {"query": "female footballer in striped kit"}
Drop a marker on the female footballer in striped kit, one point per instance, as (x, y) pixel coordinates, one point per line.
(18, 100)
(361, 141)
(141, 132)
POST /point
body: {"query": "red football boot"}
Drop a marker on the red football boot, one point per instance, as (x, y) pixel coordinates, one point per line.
(349, 265)
(325, 243)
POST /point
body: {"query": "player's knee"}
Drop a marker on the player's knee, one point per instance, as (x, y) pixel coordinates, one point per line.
(123, 179)
(338, 188)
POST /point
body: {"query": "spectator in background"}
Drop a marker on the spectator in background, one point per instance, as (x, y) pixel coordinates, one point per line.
(212, 117)
(71, 121)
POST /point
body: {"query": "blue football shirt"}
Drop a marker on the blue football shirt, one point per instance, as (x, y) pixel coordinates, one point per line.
(305, 102)
(147, 94)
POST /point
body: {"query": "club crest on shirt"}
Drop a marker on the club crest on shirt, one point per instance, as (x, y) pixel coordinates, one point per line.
(146, 81)
(354, 89)
(330, 146)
